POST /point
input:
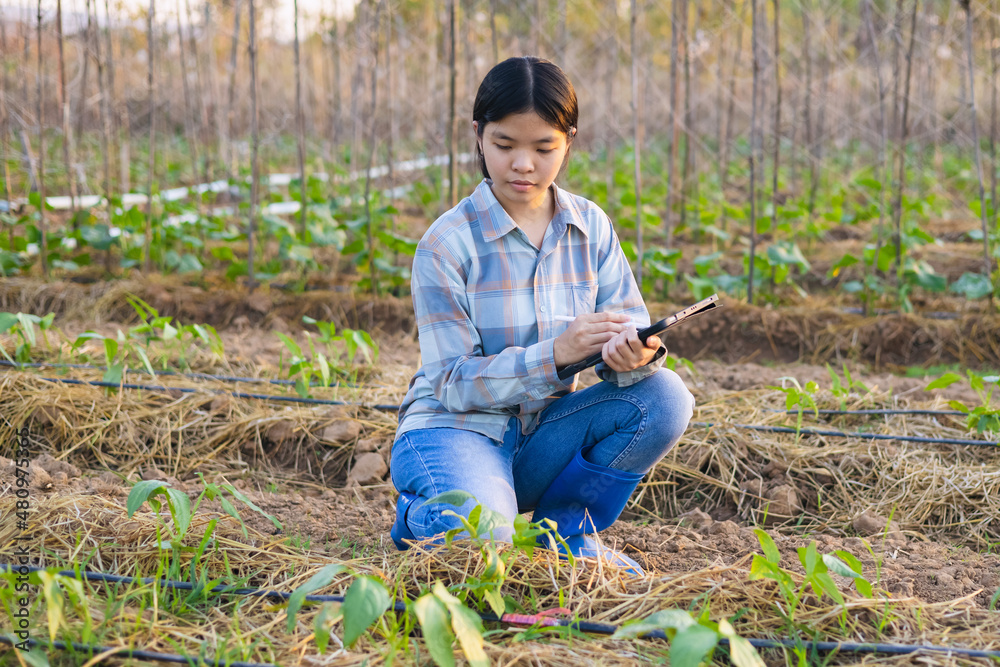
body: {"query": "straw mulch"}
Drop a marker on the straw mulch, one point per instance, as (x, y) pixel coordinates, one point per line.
(945, 492)
(80, 527)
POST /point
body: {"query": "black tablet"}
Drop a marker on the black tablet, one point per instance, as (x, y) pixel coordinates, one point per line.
(702, 306)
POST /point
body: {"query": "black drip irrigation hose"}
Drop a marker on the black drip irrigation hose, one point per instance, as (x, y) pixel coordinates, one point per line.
(234, 394)
(193, 376)
(853, 434)
(879, 411)
(139, 654)
(395, 408)
(510, 619)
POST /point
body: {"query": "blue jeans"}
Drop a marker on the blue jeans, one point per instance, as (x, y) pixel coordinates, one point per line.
(625, 428)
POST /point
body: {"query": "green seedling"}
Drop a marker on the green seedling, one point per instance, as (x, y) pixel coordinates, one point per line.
(326, 365)
(693, 640)
(817, 567)
(842, 388)
(22, 325)
(443, 619)
(983, 417)
(798, 397)
(117, 352)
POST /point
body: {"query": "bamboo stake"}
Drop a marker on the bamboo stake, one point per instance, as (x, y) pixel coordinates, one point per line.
(776, 161)
(611, 119)
(22, 131)
(901, 148)
(807, 102)
(688, 165)
(189, 128)
(105, 123)
(452, 107)
(151, 93)
(300, 124)
(731, 107)
(673, 122)
(254, 147)
(994, 69)
(230, 103)
(42, 226)
(5, 119)
(882, 153)
(987, 262)
(493, 31)
(824, 76)
(636, 142)
(371, 141)
(217, 119)
(64, 108)
(124, 127)
(81, 104)
(754, 136)
(201, 118)
(719, 90)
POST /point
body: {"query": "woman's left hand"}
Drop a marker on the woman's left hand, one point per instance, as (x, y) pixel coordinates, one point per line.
(625, 352)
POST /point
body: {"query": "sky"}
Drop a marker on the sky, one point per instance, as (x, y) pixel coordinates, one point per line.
(281, 22)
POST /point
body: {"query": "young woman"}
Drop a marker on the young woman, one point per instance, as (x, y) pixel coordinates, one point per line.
(516, 282)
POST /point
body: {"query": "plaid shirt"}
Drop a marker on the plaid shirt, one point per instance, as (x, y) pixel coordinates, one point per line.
(485, 299)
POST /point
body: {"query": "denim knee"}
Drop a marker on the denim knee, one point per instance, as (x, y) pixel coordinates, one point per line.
(427, 520)
(669, 407)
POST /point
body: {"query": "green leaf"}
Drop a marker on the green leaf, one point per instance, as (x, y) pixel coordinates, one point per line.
(828, 584)
(141, 492)
(666, 619)
(364, 603)
(691, 646)
(180, 509)
(838, 566)
(433, 617)
(321, 579)
(7, 320)
(768, 546)
(863, 587)
(456, 498)
(321, 625)
(741, 651)
(945, 380)
(239, 495)
(850, 559)
(495, 600)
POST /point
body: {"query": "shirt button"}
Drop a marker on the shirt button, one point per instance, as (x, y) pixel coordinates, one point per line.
(542, 308)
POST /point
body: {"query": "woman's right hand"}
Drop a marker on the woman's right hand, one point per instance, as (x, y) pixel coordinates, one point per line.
(586, 335)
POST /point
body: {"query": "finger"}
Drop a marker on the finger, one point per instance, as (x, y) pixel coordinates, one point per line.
(654, 342)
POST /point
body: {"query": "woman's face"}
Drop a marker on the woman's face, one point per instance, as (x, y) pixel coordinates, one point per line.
(523, 154)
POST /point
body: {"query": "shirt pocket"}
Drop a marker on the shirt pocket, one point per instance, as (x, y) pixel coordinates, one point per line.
(584, 297)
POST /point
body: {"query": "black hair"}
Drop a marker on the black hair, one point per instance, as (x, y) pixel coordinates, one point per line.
(520, 85)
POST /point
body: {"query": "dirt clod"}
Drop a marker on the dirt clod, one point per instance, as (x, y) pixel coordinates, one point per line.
(54, 466)
(368, 469)
(341, 431)
(281, 431)
(696, 519)
(869, 524)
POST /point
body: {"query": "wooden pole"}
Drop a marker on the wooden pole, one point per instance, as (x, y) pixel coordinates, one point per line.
(42, 226)
(64, 108)
(189, 114)
(987, 261)
(776, 155)
(897, 207)
(371, 144)
(673, 121)
(636, 141)
(754, 137)
(452, 107)
(254, 147)
(151, 94)
(231, 99)
(300, 124)
(883, 163)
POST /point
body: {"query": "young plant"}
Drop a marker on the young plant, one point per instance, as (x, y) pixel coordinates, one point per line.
(22, 325)
(693, 640)
(817, 568)
(798, 397)
(983, 417)
(443, 619)
(842, 388)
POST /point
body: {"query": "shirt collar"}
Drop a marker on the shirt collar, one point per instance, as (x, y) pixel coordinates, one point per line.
(496, 222)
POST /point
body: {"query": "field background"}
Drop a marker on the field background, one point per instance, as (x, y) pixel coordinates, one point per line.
(240, 338)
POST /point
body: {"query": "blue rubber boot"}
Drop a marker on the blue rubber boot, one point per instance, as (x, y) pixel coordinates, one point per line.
(400, 531)
(586, 498)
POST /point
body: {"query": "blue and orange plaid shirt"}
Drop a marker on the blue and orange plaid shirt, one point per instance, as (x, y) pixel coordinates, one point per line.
(485, 299)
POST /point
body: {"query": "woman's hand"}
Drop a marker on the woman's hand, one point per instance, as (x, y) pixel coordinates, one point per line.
(625, 352)
(587, 334)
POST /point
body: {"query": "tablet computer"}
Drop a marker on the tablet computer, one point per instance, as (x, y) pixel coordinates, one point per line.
(702, 306)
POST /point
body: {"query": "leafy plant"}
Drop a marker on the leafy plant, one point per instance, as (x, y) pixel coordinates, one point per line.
(983, 417)
(693, 640)
(842, 388)
(798, 397)
(443, 619)
(325, 365)
(817, 568)
(22, 325)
